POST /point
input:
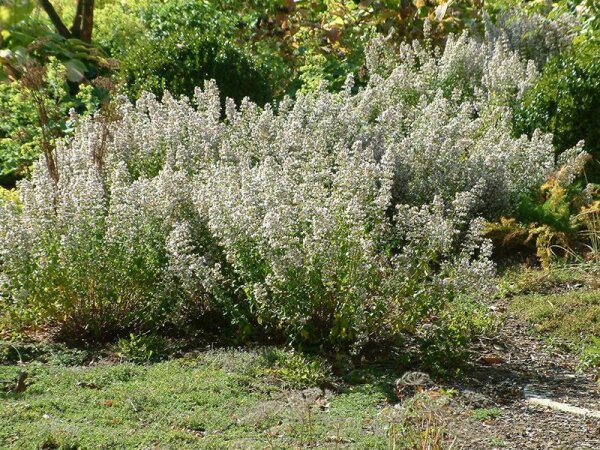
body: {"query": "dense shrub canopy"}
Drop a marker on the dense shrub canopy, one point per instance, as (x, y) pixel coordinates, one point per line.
(181, 61)
(333, 219)
(181, 44)
(566, 100)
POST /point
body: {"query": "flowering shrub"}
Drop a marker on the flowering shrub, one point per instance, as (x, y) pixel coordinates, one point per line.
(334, 219)
(536, 36)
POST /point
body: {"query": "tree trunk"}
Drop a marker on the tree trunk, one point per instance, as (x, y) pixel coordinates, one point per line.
(55, 18)
(87, 24)
(83, 23)
(76, 27)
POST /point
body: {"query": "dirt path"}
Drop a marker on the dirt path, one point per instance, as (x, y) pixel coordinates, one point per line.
(519, 374)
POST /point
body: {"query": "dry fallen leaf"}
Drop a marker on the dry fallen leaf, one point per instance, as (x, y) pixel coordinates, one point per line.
(491, 359)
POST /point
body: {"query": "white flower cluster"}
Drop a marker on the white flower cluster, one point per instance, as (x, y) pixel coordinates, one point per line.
(334, 217)
(535, 36)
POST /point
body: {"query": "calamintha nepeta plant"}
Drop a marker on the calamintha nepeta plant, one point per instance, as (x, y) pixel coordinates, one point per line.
(334, 219)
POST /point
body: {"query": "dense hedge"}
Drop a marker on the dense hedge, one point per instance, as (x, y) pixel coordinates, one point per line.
(566, 100)
(180, 62)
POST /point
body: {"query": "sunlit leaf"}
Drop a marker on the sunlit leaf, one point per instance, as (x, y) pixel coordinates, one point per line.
(75, 70)
(441, 10)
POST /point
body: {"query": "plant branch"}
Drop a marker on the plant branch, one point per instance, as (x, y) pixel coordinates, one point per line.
(55, 18)
(76, 27)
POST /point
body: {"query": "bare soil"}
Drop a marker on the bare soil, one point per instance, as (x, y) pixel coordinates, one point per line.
(507, 371)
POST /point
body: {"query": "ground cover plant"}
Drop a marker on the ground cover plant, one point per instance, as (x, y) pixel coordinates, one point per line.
(220, 399)
(277, 398)
(560, 305)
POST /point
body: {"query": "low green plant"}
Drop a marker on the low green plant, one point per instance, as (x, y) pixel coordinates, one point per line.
(295, 369)
(40, 352)
(563, 305)
(421, 423)
(589, 356)
(191, 403)
(498, 442)
(444, 346)
(141, 349)
(517, 280)
(571, 315)
(485, 414)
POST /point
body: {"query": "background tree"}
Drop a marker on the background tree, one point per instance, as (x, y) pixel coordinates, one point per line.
(83, 23)
(46, 69)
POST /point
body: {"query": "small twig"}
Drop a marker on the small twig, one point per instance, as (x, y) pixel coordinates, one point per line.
(132, 405)
(18, 353)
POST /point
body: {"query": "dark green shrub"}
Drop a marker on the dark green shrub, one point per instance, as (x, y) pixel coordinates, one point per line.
(181, 62)
(180, 44)
(566, 100)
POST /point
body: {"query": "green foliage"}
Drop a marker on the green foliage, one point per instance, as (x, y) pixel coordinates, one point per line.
(286, 46)
(559, 219)
(44, 76)
(9, 195)
(34, 39)
(36, 108)
(169, 17)
(181, 62)
(18, 133)
(444, 344)
(40, 353)
(590, 354)
(141, 349)
(568, 314)
(566, 100)
(117, 25)
(222, 399)
(551, 206)
(177, 45)
(563, 304)
(485, 414)
(324, 40)
(295, 369)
